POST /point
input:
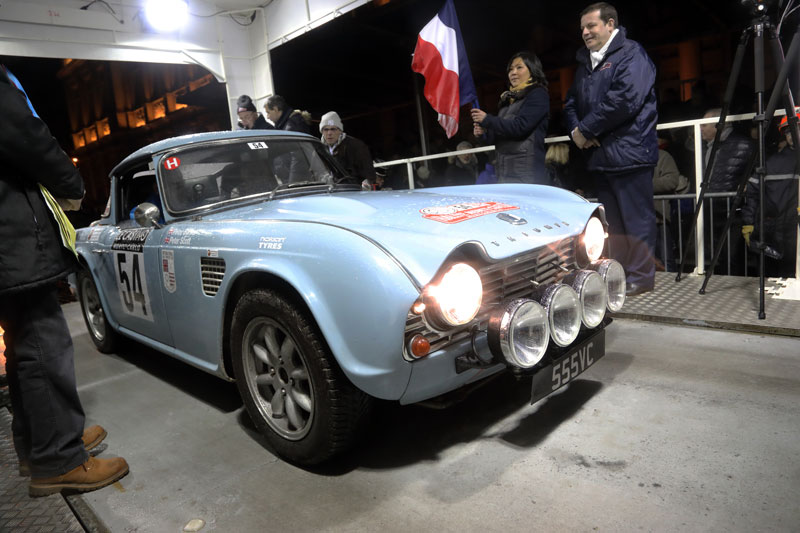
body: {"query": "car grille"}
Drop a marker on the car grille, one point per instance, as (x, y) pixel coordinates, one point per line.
(504, 280)
(212, 270)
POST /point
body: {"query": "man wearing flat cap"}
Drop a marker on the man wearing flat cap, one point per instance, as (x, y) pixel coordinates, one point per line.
(352, 154)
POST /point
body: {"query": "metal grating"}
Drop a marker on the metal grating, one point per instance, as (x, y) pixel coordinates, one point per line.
(19, 512)
(212, 270)
(510, 278)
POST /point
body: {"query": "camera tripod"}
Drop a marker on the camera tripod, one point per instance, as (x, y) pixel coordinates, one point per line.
(759, 26)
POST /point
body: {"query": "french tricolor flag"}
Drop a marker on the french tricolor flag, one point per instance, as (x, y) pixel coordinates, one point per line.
(441, 58)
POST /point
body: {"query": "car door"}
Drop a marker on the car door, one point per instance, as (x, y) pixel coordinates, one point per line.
(127, 266)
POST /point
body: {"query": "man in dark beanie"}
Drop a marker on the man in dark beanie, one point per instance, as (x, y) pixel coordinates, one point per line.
(249, 118)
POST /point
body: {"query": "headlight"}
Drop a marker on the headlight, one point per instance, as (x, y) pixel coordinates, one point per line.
(614, 276)
(594, 239)
(519, 333)
(456, 298)
(563, 312)
(591, 289)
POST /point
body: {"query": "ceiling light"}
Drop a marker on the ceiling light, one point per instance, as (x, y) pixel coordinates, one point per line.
(166, 15)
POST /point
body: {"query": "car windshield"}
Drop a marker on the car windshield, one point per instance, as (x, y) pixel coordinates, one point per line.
(202, 176)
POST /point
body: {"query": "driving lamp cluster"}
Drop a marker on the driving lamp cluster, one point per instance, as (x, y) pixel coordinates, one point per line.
(520, 332)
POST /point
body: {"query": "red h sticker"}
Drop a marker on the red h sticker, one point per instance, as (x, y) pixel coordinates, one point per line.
(172, 163)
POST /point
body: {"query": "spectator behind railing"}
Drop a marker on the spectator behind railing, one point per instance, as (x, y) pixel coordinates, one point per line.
(351, 153)
(666, 180)
(462, 169)
(780, 207)
(730, 163)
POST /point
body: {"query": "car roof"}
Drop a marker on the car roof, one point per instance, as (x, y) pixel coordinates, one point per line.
(147, 152)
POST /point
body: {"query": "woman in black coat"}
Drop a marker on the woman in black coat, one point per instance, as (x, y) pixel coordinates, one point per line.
(520, 126)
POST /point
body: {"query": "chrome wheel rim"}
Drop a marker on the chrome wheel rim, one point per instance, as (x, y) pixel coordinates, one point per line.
(276, 375)
(93, 309)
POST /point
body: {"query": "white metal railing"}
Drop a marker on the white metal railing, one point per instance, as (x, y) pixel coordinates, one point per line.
(698, 167)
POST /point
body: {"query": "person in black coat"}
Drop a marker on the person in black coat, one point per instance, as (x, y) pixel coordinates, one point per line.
(731, 161)
(284, 117)
(352, 154)
(732, 158)
(519, 129)
(36, 250)
(249, 118)
(781, 211)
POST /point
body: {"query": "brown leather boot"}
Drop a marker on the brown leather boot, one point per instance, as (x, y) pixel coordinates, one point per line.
(92, 436)
(91, 475)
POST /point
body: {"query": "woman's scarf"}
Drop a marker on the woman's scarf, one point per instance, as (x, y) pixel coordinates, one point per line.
(515, 92)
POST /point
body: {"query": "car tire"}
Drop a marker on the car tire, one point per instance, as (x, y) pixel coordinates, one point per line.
(293, 389)
(104, 338)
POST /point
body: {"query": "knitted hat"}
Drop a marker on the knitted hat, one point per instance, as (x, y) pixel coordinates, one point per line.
(245, 103)
(331, 118)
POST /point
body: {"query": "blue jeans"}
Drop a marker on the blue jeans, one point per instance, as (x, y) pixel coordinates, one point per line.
(48, 416)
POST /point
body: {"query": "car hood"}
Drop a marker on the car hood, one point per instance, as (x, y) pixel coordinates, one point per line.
(421, 227)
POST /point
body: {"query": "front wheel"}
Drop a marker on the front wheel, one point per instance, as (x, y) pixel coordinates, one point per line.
(292, 387)
(104, 338)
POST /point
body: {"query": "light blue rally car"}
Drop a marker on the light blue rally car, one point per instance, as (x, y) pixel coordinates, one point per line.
(251, 256)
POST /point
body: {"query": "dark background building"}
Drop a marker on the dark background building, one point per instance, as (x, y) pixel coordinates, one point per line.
(359, 65)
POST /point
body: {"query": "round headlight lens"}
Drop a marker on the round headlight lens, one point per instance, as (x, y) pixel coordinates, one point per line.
(594, 298)
(562, 305)
(458, 296)
(523, 333)
(614, 276)
(594, 239)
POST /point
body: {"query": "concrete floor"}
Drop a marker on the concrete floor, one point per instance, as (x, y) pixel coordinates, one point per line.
(676, 429)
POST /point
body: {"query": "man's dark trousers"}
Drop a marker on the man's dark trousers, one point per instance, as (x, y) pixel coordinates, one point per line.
(628, 200)
(48, 416)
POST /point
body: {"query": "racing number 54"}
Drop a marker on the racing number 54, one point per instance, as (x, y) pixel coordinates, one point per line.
(132, 291)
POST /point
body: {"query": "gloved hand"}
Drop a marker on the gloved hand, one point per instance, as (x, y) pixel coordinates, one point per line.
(746, 231)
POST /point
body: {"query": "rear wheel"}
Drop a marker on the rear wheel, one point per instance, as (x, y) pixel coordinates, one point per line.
(292, 387)
(101, 333)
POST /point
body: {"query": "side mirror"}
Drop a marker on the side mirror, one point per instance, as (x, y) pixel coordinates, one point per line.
(147, 214)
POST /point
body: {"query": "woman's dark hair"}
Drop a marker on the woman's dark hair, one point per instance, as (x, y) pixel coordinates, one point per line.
(534, 66)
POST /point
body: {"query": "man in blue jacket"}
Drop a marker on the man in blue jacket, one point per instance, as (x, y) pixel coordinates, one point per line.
(611, 115)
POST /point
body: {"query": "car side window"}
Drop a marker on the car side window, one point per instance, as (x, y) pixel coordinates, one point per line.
(137, 187)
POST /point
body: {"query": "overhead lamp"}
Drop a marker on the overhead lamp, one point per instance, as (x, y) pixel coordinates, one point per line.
(166, 15)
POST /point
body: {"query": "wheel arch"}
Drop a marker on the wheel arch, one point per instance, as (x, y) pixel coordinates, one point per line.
(245, 282)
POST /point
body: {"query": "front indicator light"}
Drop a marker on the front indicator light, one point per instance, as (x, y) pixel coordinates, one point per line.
(456, 298)
(519, 333)
(562, 305)
(419, 346)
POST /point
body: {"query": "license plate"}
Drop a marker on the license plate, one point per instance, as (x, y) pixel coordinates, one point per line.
(568, 366)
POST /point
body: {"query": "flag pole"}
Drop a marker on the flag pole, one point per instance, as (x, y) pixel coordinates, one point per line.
(423, 138)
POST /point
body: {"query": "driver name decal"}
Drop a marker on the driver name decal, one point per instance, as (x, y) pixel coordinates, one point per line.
(131, 240)
(453, 214)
